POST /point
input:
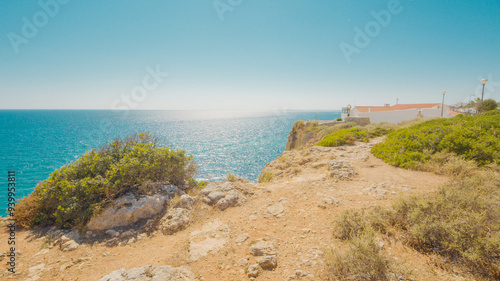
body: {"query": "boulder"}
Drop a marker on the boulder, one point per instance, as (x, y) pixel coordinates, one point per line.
(215, 196)
(187, 202)
(223, 195)
(229, 200)
(128, 210)
(176, 219)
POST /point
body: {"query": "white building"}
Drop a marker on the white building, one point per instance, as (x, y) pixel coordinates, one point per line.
(401, 112)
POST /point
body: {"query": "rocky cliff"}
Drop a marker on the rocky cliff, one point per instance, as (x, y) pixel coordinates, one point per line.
(237, 230)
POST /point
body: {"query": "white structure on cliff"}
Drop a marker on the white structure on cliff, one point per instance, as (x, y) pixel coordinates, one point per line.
(401, 112)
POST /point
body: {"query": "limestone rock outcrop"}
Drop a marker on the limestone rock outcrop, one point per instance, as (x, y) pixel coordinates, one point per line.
(128, 210)
(151, 273)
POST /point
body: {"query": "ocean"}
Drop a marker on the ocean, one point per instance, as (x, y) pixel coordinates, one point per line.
(36, 142)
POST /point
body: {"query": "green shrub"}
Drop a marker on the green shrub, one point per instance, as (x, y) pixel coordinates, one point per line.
(346, 136)
(473, 137)
(379, 129)
(462, 223)
(232, 178)
(486, 105)
(324, 131)
(339, 119)
(265, 176)
(75, 192)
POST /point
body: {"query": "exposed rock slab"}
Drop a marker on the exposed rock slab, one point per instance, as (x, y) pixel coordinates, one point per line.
(151, 273)
(127, 210)
(212, 237)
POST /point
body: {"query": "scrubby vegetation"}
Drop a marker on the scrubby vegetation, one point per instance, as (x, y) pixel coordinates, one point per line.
(265, 176)
(234, 178)
(359, 256)
(486, 105)
(461, 224)
(473, 137)
(349, 133)
(324, 131)
(346, 136)
(75, 192)
(360, 259)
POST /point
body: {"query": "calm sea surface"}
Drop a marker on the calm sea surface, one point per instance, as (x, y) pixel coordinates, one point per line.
(36, 142)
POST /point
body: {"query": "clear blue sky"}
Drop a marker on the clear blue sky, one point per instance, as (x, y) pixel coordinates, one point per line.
(259, 55)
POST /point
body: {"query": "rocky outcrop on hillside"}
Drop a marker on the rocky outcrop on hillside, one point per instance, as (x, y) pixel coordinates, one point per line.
(129, 208)
(151, 273)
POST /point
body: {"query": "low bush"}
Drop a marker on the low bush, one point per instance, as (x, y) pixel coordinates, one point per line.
(461, 223)
(231, 177)
(450, 164)
(324, 131)
(234, 178)
(473, 137)
(379, 129)
(360, 259)
(75, 192)
(486, 105)
(265, 176)
(346, 136)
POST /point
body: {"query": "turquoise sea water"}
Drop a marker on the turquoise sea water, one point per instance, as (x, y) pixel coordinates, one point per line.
(36, 142)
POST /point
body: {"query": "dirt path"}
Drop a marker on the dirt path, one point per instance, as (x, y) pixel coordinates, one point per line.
(294, 212)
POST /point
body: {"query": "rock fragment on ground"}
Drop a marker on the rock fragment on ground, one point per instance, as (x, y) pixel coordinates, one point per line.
(253, 270)
(267, 262)
(262, 248)
(276, 210)
(174, 220)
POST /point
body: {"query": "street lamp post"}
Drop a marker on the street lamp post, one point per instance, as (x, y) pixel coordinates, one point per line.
(442, 104)
(484, 83)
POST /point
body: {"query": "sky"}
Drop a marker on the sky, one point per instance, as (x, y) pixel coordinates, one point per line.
(245, 54)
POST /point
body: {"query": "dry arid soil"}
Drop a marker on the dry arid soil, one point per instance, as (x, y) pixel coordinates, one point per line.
(293, 212)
